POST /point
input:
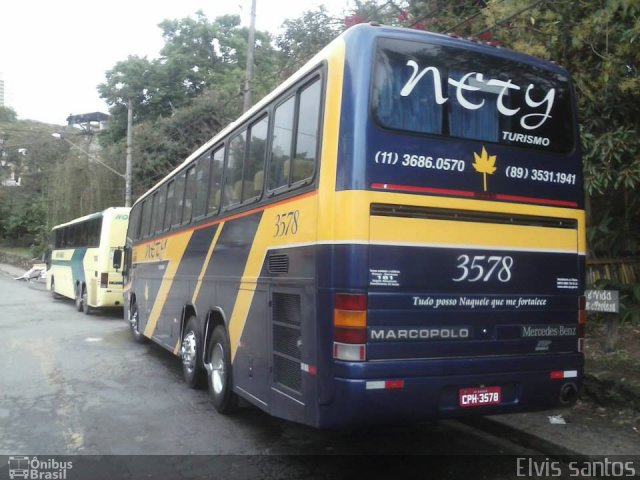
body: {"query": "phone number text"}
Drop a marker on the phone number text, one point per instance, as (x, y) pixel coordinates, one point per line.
(538, 175)
(420, 161)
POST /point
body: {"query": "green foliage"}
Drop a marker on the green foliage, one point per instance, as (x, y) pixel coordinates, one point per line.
(198, 56)
(7, 115)
(305, 36)
(598, 43)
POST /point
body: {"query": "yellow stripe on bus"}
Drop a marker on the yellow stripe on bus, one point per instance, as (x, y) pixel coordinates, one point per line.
(176, 246)
(214, 242)
(298, 228)
(205, 264)
(357, 229)
(472, 235)
(307, 207)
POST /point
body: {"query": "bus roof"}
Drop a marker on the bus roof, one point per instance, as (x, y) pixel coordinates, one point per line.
(91, 216)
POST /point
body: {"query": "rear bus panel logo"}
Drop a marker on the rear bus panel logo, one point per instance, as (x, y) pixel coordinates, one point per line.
(418, 334)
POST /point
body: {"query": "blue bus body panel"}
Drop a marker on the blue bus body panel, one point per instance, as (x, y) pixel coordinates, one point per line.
(363, 140)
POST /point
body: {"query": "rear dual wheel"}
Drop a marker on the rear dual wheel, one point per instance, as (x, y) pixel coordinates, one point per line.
(82, 303)
(219, 378)
(191, 354)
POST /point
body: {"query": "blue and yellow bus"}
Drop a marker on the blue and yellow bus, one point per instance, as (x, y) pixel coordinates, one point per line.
(84, 259)
(394, 234)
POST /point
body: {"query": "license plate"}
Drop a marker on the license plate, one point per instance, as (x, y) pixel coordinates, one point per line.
(480, 396)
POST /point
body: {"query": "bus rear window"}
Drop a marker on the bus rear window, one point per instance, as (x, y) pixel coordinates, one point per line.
(433, 89)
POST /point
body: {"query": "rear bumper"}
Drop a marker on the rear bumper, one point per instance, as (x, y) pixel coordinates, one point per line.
(362, 401)
(108, 299)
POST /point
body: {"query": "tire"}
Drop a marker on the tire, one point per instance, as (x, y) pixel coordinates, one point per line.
(220, 376)
(133, 319)
(191, 349)
(85, 301)
(79, 300)
(54, 295)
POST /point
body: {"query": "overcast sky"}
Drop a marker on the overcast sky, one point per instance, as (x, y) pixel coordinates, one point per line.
(53, 53)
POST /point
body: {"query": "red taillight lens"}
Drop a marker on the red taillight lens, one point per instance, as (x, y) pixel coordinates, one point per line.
(350, 335)
(104, 280)
(350, 301)
(350, 326)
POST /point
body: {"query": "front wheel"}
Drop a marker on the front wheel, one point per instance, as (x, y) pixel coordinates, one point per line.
(191, 354)
(54, 295)
(219, 372)
(134, 325)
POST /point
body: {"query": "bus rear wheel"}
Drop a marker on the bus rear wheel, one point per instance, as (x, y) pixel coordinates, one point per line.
(219, 375)
(191, 354)
(85, 303)
(79, 306)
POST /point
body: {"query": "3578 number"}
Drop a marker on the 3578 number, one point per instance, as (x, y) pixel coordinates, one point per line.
(478, 268)
(286, 223)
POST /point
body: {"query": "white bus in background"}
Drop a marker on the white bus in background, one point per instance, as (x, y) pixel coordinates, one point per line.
(84, 259)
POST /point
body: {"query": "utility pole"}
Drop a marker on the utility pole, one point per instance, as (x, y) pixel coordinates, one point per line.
(127, 172)
(248, 85)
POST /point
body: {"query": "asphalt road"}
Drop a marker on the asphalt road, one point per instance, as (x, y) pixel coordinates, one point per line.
(72, 384)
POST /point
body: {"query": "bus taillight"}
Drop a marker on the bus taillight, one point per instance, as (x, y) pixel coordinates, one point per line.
(582, 321)
(104, 280)
(350, 327)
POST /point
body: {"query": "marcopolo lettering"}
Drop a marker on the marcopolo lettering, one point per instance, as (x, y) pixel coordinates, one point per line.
(408, 334)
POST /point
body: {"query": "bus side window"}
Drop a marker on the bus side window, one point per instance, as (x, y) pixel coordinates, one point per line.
(215, 183)
(304, 159)
(154, 214)
(253, 174)
(146, 218)
(281, 144)
(134, 222)
(189, 194)
(160, 211)
(178, 200)
(233, 171)
(170, 205)
(203, 171)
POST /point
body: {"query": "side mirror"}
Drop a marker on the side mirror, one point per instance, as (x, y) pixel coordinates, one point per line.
(117, 259)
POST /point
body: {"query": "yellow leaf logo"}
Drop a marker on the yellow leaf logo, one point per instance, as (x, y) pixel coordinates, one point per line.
(484, 164)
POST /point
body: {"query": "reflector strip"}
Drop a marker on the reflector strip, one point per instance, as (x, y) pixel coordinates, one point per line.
(310, 369)
(559, 374)
(385, 385)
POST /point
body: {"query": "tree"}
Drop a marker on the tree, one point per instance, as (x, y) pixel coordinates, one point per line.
(305, 36)
(7, 114)
(597, 43)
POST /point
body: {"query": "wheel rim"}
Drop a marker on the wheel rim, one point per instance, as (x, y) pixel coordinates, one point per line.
(188, 351)
(218, 373)
(133, 320)
(79, 299)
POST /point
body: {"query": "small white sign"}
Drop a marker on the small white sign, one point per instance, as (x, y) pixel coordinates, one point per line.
(606, 301)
